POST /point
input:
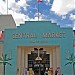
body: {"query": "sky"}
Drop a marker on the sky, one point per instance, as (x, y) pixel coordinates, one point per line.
(61, 12)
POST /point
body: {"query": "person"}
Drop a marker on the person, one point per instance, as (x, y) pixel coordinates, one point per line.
(42, 69)
(56, 72)
(46, 72)
(36, 69)
(49, 72)
(25, 71)
(17, 71)
(30, 71)
(58, 69)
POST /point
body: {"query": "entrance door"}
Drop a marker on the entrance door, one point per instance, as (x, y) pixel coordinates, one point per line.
(34, 54)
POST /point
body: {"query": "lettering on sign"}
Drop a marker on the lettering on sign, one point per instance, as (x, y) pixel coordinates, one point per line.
(43, 35)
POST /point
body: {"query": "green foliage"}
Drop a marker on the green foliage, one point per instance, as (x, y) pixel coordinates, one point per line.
(4, 60)
(71, 59)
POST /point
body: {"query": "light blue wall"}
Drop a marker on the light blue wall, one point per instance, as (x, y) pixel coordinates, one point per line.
(38, 27)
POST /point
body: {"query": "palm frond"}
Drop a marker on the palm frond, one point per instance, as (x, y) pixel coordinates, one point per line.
(68, 63)
(9, 64)
(67, 58)
(1, 61)
(2, 55)
(74, 62)
(8, 59)
(1, 58)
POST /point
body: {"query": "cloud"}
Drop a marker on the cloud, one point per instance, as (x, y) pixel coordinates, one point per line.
(14, 9)
(3, 8)
(62, 7)
(22, 3)
(63, 17)
(47, 2)
(53, 21)
(42, 17)
(72, 17)
(19, 18)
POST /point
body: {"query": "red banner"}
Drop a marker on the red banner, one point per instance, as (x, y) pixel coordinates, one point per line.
(39, 0)
(1, 35)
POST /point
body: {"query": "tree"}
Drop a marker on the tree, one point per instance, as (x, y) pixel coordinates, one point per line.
(4, 60)
(71, 60)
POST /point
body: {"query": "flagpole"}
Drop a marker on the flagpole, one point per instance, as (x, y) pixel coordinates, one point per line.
(74, 40)
(7, 6)
(38, 9)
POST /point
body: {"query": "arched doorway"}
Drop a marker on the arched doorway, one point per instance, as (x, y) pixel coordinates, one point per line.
(26, 56)
(38, 64)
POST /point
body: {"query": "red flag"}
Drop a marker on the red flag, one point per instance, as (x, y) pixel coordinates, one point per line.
(1, 35)
(39, 0)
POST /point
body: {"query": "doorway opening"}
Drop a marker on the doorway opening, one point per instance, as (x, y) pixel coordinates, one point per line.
(26, 57)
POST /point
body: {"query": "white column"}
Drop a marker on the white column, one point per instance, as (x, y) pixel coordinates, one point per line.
(22, 60)
(26, 58)
(51, 58)
(58, 56)
(19, 61)
(54, 59)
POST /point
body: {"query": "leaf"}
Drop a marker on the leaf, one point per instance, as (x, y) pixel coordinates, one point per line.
(1, 62)
(5, 55)
(1, 58)
(68, 63)
(9, 64)
(74, 62)
(8, 59)
(67, 59)
(2, 55)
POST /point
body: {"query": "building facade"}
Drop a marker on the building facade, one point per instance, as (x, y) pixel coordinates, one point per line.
(40, 38)
(6, 21)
